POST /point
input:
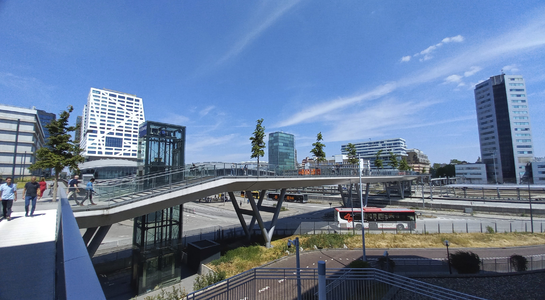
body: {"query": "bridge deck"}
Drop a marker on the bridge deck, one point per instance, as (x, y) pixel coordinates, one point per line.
(27, 256)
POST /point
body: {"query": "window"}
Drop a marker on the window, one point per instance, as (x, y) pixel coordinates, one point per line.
(114, 142)
(520, 118)
(518, 101)
(524, 146)
(522, 123)
(524, 152)
(522, 129)
(523, 141)
(518, 95)
(520, 106)
(96, 92)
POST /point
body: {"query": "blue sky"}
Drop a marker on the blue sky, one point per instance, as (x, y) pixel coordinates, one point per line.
(353, 70)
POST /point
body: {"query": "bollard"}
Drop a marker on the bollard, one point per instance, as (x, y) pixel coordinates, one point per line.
(321, 281)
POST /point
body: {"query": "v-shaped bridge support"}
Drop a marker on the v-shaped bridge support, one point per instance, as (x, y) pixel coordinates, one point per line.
(256, 215)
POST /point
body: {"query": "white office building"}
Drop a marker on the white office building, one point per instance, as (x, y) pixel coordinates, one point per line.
(21, 135)
(471, 173)
(504, 127)
(538, 170)
(109, 125)
(369, 150)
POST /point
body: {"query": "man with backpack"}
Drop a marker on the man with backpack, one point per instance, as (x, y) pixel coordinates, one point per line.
(73, 189)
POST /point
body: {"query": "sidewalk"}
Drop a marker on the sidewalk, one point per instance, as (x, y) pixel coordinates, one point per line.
(27, 255)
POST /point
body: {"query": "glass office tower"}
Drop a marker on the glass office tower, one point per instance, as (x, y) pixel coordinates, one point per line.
(505, 133)
(157, 237)
(281, 152)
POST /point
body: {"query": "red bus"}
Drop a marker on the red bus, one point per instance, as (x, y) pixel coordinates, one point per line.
(376, 218)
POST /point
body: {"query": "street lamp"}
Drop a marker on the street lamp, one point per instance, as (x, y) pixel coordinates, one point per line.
(448, 256)
(295, 243)
(362, 214)
(495, 176)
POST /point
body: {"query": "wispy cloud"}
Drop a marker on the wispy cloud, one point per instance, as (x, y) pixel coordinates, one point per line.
(454, 78)
(510, 68)
(522, 39)
(177, 119)
(328, 107)
(427, 53)
(472, 71)
(20, 90)
(374, 120)
(255, 30)
(206, 110)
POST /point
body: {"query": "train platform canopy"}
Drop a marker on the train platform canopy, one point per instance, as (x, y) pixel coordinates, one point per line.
(496, 186)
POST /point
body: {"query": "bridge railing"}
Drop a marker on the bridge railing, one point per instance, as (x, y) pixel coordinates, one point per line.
(271, 283)
(130, 188)
(75, 275)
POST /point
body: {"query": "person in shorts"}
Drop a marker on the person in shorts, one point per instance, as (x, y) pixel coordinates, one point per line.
(31, 191)
(8, 194)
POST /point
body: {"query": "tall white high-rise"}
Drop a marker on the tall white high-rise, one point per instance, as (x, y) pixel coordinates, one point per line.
(109, 127)
(505, 133)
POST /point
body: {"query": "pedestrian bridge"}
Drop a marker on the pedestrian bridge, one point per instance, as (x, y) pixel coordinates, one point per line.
(130, 197)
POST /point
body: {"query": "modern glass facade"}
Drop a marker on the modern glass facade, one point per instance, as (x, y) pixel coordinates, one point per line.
(368, 150)
(157, 238)
(45, 118)
(281, 151)
(504, 127)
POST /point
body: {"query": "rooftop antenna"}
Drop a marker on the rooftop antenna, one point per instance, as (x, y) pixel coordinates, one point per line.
(502, 72)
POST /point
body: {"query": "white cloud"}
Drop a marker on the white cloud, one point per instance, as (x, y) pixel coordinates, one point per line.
(513, 43)
(427, 53)
(455, 39)
(406, 58)
(472, 71)
(206, 110)
(321, 109)
(255, 30)
(511, 68)
(175, 119)
(454, 78)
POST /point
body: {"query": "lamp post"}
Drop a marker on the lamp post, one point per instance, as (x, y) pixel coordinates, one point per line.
(295, 243)
(448, 256)
(362, 214)
(530, 200)
(495, 175)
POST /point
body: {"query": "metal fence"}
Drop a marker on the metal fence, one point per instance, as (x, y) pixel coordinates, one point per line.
(270, 283)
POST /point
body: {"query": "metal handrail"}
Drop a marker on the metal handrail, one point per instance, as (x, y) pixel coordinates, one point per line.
(76, 277)
(142, 187)
(341, 275)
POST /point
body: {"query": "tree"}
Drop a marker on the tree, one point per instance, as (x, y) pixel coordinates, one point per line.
(403, 165)
(424, 170)
(352, 154)
(318, 150)
(258, 143)
(394, 163)
(61, 151)
(378, 160)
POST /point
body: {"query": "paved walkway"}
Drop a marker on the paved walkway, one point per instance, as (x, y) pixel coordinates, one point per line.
(27, 255)
(424, 261)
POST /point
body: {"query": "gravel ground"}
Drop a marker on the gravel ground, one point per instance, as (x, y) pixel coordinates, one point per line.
(530, 285)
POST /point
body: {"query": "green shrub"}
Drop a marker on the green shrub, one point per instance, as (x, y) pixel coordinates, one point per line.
(177, 293)
(250, 253)
(490, 229)
(518, 262)
(359, 264)
(325, 241)
(465, 262)
(203, 281)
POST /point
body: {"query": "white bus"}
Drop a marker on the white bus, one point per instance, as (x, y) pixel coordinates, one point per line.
(376, 218)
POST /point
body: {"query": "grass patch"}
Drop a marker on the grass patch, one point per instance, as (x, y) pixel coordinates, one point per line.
(245, 258)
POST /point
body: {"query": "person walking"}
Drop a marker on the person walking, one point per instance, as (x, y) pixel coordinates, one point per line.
(43, 187)
(31, 190)
(73, 188)
(89, 192)
(8, 194)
